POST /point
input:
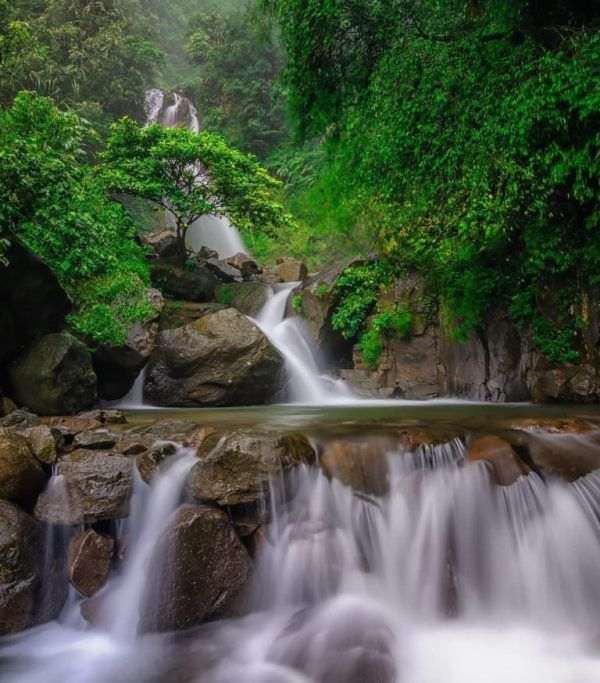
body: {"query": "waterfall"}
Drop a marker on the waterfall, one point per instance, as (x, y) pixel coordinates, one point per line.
(446, 577)
(151, 508)
(306, 383)
(214, 232)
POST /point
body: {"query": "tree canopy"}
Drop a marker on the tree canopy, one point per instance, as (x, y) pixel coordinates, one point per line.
(191, 175)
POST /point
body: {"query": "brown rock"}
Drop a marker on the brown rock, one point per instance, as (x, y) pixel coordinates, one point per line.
(19, 419)
(291, 270)
(248, 267)
(151, 460)
(505, 463)
(44, 443)
(90, 558)
(105, 416)
(235, 468)
(21, 477)
(198, 570)
(359, 464)
(69, 427)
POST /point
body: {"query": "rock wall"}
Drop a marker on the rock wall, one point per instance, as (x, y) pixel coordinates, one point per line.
(500, 363)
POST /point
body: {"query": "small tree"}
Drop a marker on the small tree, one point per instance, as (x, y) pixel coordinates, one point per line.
(191, 175)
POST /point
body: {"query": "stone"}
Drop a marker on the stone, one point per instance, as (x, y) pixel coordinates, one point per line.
(21, 476)
(505, 464)
(20, 562)
(95, 486)
(360, 464)
(105, 416)
(7, 406)
(99, 439)
(44, 443)
(248, 298)
(247, 266)
(568, 455)
(163, 243)
(181, 313)
(148, 462)
(90, 559)
(55, 377)
(19, 419)
(236, 468)
(197, 572)
(223, 359)
(291, 270)
(206, 253)
(191, 281)
(69, 427)
(222, 269)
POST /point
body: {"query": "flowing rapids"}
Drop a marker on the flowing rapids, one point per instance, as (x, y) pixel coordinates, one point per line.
(445, 578)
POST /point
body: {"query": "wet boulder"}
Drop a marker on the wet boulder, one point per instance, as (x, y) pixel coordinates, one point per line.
(190, 281)
(90, 559)
(360, 464)
(198, 571)
(44, 443)
(247, 266)
(55, 377)
(21, 476)
(248, 298)
(235, 469)
(223, 359)
(90, 486)
(149, 461)
(20, 562)
(181, 313)
(506, 466)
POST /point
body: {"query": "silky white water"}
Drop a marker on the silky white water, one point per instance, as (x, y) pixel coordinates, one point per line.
(307, 384)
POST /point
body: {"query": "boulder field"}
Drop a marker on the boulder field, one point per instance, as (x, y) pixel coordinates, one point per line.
(77, 475)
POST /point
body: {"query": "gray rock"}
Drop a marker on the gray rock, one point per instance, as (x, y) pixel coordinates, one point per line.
(191, 281)
(55, 377)
(222, 359)
(20, 562)
(248, 298)
(91, 486)
(97, 440)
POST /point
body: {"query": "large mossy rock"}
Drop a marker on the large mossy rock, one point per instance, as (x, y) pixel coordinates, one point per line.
(20, 563)
(55, 377)
(21, 476)
(235, 469)
(192, 281)
(91, 486)
(222, 359)
(197, 572)
(181, 313)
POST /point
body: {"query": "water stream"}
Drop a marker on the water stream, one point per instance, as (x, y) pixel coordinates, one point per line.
(447, 577)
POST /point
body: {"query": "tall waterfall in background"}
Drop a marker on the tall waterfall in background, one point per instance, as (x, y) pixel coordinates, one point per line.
(214, 232)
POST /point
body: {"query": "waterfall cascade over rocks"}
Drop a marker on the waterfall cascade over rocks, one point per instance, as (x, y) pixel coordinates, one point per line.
(446, 576)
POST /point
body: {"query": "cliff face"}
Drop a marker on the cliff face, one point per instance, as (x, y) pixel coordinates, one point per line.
(498, 364)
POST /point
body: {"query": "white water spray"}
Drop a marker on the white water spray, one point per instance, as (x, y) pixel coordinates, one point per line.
(306, 383)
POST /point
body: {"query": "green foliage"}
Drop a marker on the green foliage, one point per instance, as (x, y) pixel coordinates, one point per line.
(190, 176)
(80, 53)
(238, 61)
(357, 290)
(465, 137)
(52, 203)
(297, 303)
(225, 295)
(387, 324)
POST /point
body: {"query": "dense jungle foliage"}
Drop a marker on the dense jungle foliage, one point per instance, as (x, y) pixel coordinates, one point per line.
(457, 138)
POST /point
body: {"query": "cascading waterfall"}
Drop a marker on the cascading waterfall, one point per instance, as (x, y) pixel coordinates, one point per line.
(306, 383)
(213, 232)
(447, 577)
